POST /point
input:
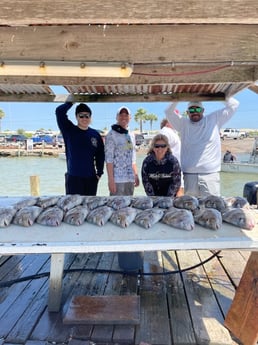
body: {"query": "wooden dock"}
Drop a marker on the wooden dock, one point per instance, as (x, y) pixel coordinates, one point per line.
(17, 151)
(187, 307)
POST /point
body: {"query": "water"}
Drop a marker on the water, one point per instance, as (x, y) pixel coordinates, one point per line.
(15, 177)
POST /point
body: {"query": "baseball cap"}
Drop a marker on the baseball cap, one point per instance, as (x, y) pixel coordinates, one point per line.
(195, 104)
(123, 109)
(82, 108)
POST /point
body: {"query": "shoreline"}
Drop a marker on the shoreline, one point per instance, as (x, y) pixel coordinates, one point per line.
(238, 146)
(235, 146)
(16, 151)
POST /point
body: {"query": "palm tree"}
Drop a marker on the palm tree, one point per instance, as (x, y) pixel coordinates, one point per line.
(2, 115)
(151, 118)
(140, 117)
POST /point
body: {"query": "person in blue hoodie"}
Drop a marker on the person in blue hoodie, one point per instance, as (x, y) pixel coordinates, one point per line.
(84, 149)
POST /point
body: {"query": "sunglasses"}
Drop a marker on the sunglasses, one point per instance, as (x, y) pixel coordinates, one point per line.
(84, 116)
(195, 110)
(157, 146)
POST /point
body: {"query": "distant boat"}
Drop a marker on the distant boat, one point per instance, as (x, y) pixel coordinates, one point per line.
(240, 167)
(245, 167)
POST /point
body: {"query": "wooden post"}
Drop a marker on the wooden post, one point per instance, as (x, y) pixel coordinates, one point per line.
(55, 282)
(242, 317)
(34, 186)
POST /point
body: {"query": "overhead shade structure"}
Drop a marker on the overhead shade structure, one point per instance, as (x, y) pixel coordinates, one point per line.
(65, 69)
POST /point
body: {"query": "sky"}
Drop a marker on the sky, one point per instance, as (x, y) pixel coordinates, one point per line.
(33, 116)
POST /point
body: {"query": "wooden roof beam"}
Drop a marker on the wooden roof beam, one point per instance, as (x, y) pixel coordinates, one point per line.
(137, 44)
(48, 12)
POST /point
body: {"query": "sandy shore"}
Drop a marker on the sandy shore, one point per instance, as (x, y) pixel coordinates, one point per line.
(237, 146)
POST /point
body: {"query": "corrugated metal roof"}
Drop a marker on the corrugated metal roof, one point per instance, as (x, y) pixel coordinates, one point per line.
(115, 92)
(16, 89)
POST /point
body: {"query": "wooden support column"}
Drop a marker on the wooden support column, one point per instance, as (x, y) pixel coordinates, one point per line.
(242, 317)
(34, 186)
(55, 282)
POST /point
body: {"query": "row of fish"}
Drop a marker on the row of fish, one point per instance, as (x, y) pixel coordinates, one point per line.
(181, 212)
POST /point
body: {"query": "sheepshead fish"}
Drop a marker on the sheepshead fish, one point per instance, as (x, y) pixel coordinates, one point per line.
(187, 202)
(51, 216)
(95, 201)
(237, 202)
(6, 215)
(179, 218)
(76, 215)
(123, 217)
(100, 215)
(208, 218)
(142, 202)
(240, 217)
(162, 201)
(28, 201)
(66, 202)
(147, 218)
(47, 201)
(213, 201)
(26, 216)
(117, 202)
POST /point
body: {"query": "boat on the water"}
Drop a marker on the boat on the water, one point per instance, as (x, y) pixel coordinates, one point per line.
(249, 167)
(240, 167)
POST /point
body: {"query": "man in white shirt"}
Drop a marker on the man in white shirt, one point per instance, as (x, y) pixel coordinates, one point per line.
(200, 145)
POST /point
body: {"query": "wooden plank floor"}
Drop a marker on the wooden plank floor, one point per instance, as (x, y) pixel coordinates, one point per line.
(175, 309)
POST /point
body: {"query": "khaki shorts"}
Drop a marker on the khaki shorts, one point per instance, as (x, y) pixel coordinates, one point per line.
(200, 185)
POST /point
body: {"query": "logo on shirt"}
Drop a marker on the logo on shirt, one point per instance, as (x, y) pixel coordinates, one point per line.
(94, 142)
(157, 176)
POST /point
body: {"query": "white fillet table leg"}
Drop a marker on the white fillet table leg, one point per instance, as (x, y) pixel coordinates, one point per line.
(55, 282)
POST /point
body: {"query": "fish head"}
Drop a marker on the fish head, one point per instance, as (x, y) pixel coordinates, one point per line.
(214, 201)
(187, 202)
(246, 221)
(122, 220)
(240, 217)
(184, 220)
(209, 218)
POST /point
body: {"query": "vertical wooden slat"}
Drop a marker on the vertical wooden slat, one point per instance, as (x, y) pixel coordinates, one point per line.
(55, 283)
(242, 318)
(34, 186)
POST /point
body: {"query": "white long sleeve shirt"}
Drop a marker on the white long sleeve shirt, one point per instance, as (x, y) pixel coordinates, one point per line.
(200, 141)
(173, 140)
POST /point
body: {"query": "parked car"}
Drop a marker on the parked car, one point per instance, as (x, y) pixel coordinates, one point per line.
(230, 133)
(2, 138)
(15, 138)
(139, 139)
(243, 134)
(43, 139)
(58, 141)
